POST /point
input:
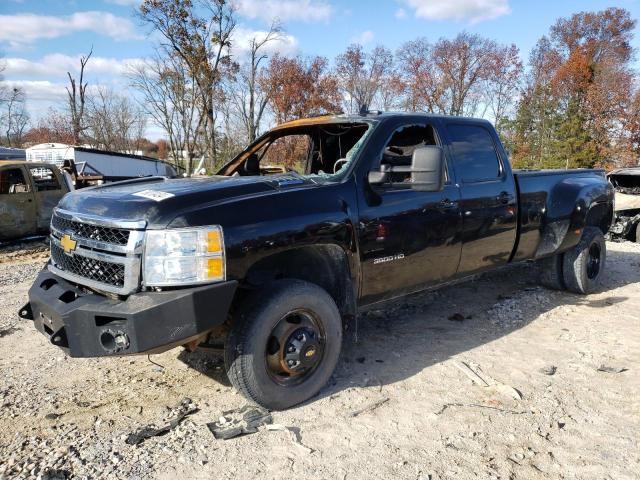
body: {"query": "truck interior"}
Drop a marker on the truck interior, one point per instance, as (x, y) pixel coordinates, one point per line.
(12, 181)
(626, 180)
(321, 150)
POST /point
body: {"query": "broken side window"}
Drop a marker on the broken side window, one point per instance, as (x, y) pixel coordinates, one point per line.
(12, 181)
(44, 179)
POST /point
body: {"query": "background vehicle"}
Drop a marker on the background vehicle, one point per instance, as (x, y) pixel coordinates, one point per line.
(626, 182)
(28, 194)
(371, 208)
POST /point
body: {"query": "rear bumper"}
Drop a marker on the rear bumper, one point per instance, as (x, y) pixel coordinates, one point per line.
(90, 325)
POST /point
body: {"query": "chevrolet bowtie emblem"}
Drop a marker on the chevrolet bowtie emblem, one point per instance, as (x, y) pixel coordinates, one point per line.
(68, 244)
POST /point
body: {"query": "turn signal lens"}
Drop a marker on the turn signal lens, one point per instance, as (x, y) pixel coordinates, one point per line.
(215, 268)
(214, 243)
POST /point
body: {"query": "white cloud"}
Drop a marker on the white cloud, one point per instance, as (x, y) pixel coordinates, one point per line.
(58, 64)
(39, 90)
(363, 38)
(284, 10)
(26, 28)
(401, 14)
(242, 36)
(473, 11)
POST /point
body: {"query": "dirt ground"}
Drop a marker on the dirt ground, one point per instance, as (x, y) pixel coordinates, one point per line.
(554, 393)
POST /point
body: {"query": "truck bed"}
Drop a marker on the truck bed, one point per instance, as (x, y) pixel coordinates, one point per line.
(547, 199)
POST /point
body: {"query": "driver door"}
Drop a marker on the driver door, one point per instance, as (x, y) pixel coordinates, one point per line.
(408, 239)
(17, 205)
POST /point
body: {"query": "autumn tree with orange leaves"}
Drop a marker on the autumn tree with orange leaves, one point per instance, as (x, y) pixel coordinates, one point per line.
(578, 104)
(299, 87)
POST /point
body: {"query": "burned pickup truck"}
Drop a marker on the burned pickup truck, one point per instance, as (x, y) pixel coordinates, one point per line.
(626, 182)
(369, 208)
(28, 193)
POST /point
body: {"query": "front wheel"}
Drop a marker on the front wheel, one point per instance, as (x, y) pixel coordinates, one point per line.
(583, 265)
(284, 344)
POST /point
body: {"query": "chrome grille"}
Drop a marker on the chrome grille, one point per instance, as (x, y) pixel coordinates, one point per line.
(101, 271)
(116, 236)
(100, 253)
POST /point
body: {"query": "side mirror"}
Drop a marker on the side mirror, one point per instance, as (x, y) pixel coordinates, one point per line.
(426, 170)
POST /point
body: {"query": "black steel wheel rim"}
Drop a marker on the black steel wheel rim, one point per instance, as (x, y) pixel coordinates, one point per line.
(295, 347)
(593, 261)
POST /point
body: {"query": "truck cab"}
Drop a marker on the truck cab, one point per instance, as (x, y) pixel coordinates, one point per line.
(29, 191)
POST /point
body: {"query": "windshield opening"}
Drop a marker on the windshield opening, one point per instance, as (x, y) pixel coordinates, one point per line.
(321, 152)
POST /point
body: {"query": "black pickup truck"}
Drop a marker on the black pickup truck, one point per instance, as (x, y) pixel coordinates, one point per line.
(315, 220)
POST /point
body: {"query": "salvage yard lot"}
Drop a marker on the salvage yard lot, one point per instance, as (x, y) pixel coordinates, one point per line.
(400, 405)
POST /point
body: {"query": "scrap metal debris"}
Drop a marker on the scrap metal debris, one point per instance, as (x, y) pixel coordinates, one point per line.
(476, 405)
(608, 369)
(176, 416)
(478, 377)
(548, 370)
(235, 423)
(370, 407)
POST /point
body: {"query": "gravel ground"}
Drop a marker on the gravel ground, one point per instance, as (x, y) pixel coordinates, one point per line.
(493, 378)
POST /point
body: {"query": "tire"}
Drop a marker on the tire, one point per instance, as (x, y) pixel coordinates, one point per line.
(551, 272)
(583, 264)
(312, 326)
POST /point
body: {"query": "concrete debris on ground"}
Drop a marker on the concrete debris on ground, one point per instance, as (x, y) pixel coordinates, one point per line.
(176, 416)
(235, 423)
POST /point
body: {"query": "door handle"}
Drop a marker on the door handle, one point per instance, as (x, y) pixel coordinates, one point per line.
(504, 197)
(447, 203)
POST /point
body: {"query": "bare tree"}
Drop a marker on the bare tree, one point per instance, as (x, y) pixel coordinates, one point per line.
(3, 88)
(361, 74)
(504, 84)
(416, 66)
(461, 76)
(391, 91)
(14, 117)
(200, 34)
(114, 122)
(463, 65)
(170, 97)
(76, 96)
(250, 100)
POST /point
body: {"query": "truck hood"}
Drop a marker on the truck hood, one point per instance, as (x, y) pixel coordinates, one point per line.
(159, 200)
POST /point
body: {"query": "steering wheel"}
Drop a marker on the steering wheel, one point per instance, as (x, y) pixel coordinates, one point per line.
(338, 162)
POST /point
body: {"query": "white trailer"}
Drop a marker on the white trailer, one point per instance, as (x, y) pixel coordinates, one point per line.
(99, 164)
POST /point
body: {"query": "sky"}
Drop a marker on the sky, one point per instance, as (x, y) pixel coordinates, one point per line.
(40, 41)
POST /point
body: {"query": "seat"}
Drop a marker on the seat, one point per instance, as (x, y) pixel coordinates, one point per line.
(251, 165)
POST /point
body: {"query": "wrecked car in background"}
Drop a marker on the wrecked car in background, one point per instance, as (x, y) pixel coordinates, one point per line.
(28, 193)
(626, 182)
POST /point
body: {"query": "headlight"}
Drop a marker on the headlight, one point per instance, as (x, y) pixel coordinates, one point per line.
(183, 256)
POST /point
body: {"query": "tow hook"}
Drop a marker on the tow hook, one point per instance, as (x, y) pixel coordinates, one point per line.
(114, 341)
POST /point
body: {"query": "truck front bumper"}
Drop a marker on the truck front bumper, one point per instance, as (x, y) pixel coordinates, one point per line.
(91, 325)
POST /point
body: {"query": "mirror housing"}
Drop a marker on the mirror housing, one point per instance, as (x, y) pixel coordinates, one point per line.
(427, 171)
